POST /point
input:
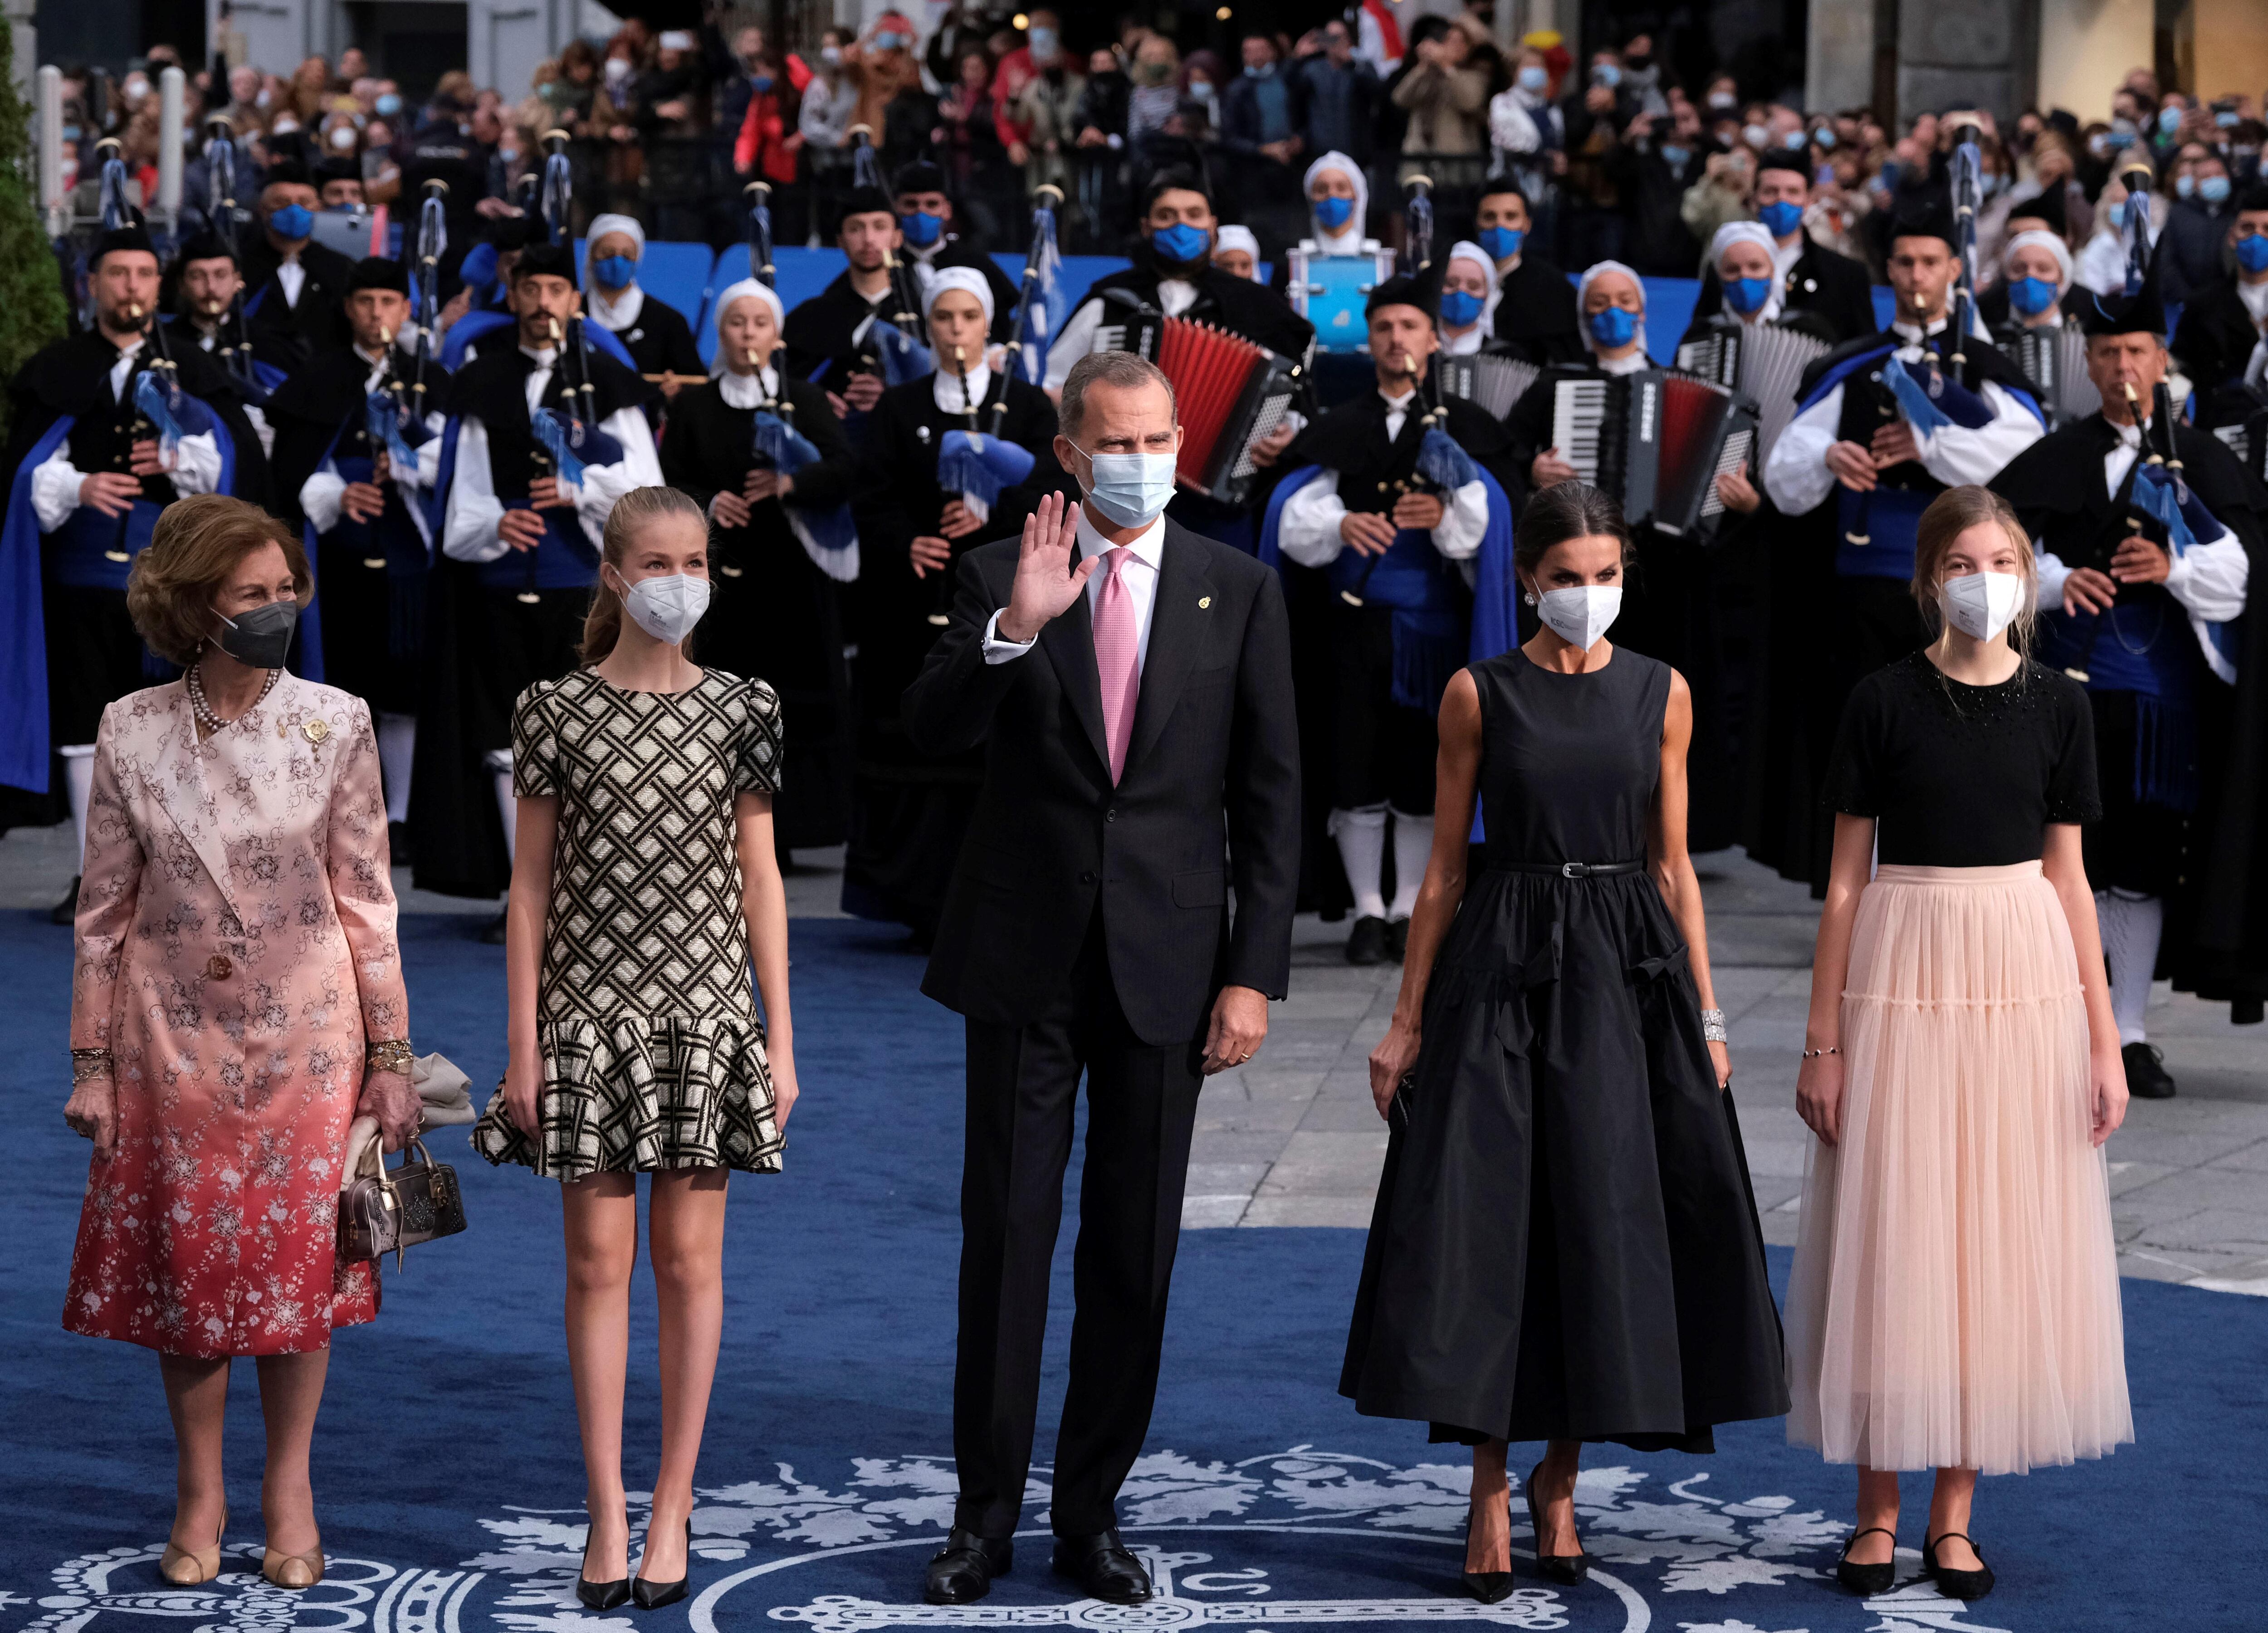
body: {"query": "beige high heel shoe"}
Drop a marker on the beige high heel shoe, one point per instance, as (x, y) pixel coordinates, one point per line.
(185, 1569)
(292, 1570)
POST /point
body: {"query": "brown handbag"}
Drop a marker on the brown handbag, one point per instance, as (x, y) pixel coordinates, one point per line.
(382, 1211)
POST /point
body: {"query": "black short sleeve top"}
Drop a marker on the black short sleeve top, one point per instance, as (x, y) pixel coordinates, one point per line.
(1959, 775)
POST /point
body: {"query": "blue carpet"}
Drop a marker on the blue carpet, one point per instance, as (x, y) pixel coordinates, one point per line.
(449, 1478)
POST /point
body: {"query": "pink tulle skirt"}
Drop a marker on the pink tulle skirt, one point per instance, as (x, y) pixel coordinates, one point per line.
(1954, 1297)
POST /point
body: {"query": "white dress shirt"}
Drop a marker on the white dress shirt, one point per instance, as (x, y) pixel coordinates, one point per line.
(322, 496)
(469, 534)
(1139, 570)
(2255, 297)
(1176, 296)
(56, 484)
(2209, 579)
(1467, 344)
(1796, 475)
(293, 278)
(1308, 530)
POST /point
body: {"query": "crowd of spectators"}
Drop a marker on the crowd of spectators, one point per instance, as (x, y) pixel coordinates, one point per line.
(1618, 158)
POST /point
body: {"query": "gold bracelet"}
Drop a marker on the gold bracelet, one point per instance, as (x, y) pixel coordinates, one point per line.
(390, 1055)
(89, 1064)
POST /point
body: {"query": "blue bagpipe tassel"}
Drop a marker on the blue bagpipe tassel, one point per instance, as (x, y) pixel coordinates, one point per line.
(172, 410)
(382, 419)
(2160, 496)
(977, 467)
(1442, 462)
(1045, 305)
(903, 357)
(830, 527)
(556, 439)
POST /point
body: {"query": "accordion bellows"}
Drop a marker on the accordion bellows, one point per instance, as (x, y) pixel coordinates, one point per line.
(1230, 392)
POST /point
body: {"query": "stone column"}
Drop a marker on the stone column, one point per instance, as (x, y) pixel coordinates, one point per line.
(1838, 62)
(1981, 52)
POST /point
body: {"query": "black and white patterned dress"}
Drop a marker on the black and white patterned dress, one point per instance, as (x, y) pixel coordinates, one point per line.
(653, 1054)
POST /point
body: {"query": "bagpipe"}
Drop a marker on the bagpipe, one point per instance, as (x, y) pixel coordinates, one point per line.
(1041, 304)
(232, 347)
(2153, 503)
(896, 348)
(1763, 362)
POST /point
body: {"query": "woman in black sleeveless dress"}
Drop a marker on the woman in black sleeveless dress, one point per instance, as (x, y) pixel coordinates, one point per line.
(1565, 1246)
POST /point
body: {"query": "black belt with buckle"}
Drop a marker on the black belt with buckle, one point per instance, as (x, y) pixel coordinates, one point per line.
(1571, 870)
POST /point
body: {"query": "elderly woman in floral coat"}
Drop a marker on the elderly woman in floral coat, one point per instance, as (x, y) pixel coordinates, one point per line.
(236, 1001)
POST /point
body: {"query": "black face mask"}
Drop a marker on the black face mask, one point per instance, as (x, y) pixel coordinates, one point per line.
(262, 637)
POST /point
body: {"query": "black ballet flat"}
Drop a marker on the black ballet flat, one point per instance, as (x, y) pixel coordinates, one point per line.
(1867, 1580)
(1957, 1584)
(1490, 1587)
(598, 1595)
(1567, 1570)
(653, 1595)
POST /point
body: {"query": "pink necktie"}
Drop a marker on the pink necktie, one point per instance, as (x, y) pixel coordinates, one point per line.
(1117, 657)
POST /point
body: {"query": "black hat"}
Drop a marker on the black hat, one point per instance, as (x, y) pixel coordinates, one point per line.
(550, 259)
(207, 245)
(921, 176)
(1421, 289)
(511, 232)
(336, 170)
(864, 202)
(378, 272)
(1924, 212)
(2047, 206)
(1793, 161)
(2144, 313)
(2254, 198)
(134, 235)
(285, 170)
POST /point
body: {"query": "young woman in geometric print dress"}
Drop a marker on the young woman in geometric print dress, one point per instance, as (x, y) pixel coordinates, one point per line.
(644, 883)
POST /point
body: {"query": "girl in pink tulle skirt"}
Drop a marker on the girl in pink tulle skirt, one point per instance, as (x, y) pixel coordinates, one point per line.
(1954, 1299)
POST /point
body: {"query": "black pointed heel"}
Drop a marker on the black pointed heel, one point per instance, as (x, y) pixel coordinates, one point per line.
(653, 1595)
(1567, 1570)
(1490, 1587)
(598, 1595)
(1867, 1580)
(1957, 1584)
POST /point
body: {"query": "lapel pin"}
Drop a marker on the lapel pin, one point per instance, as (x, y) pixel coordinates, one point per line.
(316, 730)
(1203, 601)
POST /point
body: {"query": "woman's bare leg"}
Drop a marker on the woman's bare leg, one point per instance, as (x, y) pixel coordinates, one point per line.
(1554, 1497)
(291, 1392)
(600, 1215)
(686, 1242)
(196, 1395)
(1948, 1511)
(1878, 1505)
(1488, 1544)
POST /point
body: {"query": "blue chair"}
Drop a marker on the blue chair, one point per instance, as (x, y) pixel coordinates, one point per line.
(676, 275)
(798, 274)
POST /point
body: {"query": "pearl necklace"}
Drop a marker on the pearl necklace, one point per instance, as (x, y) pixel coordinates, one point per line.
(203, 711)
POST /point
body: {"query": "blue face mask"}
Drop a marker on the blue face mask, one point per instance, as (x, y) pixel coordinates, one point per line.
(1781, 218)
(1824, 138)
(1534, 78)
(2226, 119)
(1260, 72)
(1674, 156)
(1461, 308)
(1794, 141)
(1745, 295)
(2184, 187)
(1613, 327)
(921, 228)
(761, 83)
(1332, 214)
(1503, 243)
(1131, 488)
(2252, 252)
(293, 221)
(2118, 213)
(2031, 296)
(2170, 119)
(388, 104)
(1608, 74)
(2212, 189)
(615, 272)
(1181, 243)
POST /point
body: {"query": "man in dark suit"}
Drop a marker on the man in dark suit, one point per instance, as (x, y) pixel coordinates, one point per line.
(1139, 765)
(1818, 280)
(2223, 321)
(296, 288)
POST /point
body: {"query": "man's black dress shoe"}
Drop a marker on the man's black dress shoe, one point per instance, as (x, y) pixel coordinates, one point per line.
(1397, 939)
(1102, 1566)
(962, 1570)
(2146, 1076)
(1368, 944)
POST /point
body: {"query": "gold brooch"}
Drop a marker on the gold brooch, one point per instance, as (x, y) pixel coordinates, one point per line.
(1203, 601)
(316, 730)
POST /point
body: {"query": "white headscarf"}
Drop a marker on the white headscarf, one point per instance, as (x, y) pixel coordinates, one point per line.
(2051, 242)
(1583, 295)
(1751, 233)
(1237, 238)
(1348, 239)
(970, 280)
(615, 310)
(745, 289)
(1467, 250)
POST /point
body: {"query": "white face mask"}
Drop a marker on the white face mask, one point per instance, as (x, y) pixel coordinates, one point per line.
(1580, 615)
(1981, 605)
(667, 604)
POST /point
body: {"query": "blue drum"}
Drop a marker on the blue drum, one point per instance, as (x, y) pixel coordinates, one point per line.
(1330, 292)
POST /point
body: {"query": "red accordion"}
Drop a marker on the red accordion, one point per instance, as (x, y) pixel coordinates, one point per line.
(1231, 394)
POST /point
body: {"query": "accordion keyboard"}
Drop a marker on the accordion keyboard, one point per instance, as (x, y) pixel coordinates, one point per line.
(1579, 419)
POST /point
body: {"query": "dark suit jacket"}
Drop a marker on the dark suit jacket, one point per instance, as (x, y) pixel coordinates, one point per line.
(2216, 336)
(1209, 798)
(1834, 286)
(319, 322)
